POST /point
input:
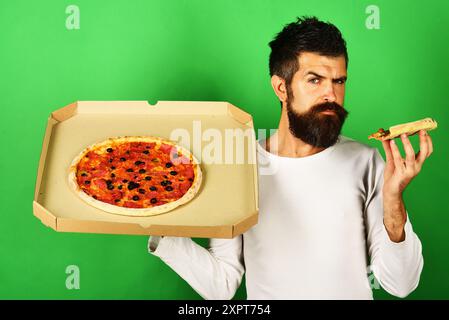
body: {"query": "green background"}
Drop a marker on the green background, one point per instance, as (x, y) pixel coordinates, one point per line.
(199, 50)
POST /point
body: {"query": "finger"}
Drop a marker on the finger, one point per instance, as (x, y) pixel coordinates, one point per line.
(398, 161)
(409, 152)
(387, 149)
(389, 161)
(423, 147)
(430, 144)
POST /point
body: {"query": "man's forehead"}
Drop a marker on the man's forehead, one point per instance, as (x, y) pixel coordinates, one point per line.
(309, 61)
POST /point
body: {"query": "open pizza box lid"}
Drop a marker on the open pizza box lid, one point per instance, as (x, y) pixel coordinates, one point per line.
(226, 204)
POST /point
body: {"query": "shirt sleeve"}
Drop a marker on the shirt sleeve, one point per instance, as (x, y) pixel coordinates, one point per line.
(214, 273)
(397, 266)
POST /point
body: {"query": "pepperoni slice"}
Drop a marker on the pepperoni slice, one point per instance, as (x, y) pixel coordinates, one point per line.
(165, 148)
(99, 173)
(132, 204)
(188, 172)
(100, 183)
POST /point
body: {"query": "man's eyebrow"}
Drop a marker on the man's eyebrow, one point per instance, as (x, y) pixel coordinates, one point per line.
(314, 74)
(343, 78)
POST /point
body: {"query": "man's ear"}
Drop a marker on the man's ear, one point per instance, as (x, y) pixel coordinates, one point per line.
(279, 88)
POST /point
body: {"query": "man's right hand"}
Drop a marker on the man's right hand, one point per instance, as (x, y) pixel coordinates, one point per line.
(153, 242)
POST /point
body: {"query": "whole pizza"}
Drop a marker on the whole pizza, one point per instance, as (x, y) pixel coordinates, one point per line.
(135, 176)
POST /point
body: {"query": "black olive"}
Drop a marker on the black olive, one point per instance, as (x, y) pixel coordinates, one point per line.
(110, 187)
(168, 165)
(173, 173)
(110, 160)
(95, 197)
(112, 168)
(141, 191)
(120, 187)
(135, 198)
(124, 181)
(129, 170)
(132, 185)
(169, 188)
(168, 182)
(165, 176)
(146, 152)
(142, 171)
(109, 150)
(163, 183)
(138, 162)
(87, 182)
(153, 188)
(127, 152)
(83, 174)
(153, 200)
(122, 159)
(148, 178)
(117, 200)
(108, 181)
(190, 179)
(112, 175)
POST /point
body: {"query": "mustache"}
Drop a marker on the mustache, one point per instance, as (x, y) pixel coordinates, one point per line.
(329, 106)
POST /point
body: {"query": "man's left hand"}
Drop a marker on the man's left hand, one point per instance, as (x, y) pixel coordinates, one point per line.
(398, 174)
(398, 171)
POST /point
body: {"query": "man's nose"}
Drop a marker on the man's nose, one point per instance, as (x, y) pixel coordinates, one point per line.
(329, 94)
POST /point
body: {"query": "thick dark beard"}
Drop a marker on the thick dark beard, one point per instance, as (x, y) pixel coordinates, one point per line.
(317, 129)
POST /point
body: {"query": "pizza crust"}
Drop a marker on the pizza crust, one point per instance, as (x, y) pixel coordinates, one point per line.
(135, 212)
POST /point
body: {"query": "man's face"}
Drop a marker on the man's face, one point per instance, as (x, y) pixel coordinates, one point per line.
(315, 99)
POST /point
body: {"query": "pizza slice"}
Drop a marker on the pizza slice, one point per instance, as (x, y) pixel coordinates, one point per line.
(409, 128)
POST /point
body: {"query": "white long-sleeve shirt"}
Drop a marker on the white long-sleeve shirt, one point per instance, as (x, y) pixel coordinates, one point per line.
(320, 234)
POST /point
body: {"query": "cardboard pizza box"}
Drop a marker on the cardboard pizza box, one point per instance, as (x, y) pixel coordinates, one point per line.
(227, 202)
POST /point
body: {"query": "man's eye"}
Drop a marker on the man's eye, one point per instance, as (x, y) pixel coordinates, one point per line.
(314, 80)
(340, 81)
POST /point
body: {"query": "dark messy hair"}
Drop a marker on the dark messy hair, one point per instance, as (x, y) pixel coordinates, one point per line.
(306, 34)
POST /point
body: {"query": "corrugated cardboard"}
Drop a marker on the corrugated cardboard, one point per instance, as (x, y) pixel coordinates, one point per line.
(227, 202)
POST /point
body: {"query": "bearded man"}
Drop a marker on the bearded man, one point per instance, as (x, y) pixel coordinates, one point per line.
(331, 210)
